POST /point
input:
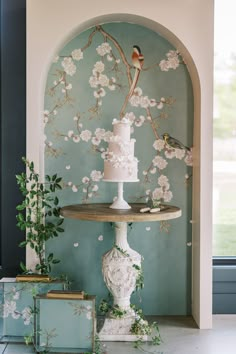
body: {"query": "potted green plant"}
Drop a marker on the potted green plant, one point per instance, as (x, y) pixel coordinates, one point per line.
(39, 215)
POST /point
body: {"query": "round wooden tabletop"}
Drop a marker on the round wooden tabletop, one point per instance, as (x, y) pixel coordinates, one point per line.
(103, 212)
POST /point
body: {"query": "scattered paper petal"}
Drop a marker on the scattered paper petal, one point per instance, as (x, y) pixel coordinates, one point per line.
(76, 244)
(100, 238)
(189, 244)
(148, 228)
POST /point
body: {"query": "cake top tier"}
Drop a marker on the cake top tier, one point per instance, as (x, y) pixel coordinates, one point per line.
(121, 128)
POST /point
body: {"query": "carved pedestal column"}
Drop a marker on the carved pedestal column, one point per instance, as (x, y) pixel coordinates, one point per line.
(120, 277)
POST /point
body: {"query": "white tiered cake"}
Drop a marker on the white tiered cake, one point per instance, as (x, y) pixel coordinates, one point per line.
(120, 165)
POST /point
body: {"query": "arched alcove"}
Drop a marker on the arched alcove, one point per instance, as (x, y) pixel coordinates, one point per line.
(196, 286)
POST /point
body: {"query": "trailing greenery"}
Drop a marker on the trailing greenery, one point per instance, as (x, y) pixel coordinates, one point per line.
(140, 278)
(106, 307)
(39, 215)
(125, 253)
(141, 327)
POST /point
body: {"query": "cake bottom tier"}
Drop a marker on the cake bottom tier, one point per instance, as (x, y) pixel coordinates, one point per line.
(120, 174)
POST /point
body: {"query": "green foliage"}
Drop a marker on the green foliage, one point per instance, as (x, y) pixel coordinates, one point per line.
(105, 306)
(141, 327)
(39, 215)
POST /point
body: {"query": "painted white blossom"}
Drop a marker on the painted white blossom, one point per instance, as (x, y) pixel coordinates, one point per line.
(170, 153)
(159, 162)
(63, 90)
(134, 101)
(95, 188)
(76, 138)
(157, 193)
(76, 244)
(77, 54)
(99, 67)
(66, 138)
(103, 49)
(145, 173)
(144, 101)
(107, 136)
(70, 133)
(69, 183)
(75, 118)
(15, 315)
(189, 158)
(99, 102)
(139, 121)
(69, 66)
(8, 308)
(138, 91)
(112, 87)
(148, 228)
(160, 105)
(96, 175)
(100, 238)
(69, 86)
(152, 102)
(50, 143)
(173, 59)
(99, 93)
(109, 57)
(148, 191)
(74, 188)
(84, 190)
(100, 133)
(103, 80)
(159, 144)
(16, 295)
(96, 141)
(27, 315)
(90, 195)
(153, 170)
(130, 116)
(118, 61)
(164, 65)
(67, 167)
(163, 181)
(89, 315)
(179, 153)
(85, 180)
(93, 81)
(167, 196)
(86, 135)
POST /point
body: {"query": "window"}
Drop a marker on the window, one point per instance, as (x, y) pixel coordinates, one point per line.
(224, 130)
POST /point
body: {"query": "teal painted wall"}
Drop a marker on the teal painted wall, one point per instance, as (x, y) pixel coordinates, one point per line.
(86, 88)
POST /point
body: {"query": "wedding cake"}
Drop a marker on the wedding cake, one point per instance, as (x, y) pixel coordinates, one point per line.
(120, 165)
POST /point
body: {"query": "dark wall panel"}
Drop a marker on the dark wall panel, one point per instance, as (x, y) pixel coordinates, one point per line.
(13, 128)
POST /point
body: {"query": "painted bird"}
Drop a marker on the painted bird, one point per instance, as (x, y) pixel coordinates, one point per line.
(137, 61)
(174, 143)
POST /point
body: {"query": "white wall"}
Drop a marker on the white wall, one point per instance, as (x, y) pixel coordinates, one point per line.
(187, 24)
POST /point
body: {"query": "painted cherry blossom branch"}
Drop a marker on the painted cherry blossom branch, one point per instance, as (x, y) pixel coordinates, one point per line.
(120, 50)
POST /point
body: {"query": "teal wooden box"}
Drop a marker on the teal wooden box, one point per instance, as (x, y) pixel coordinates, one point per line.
(64, 325)
(16, 305)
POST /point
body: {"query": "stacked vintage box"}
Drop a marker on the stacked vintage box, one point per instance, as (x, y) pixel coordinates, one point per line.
(16, 304)
(64, 322)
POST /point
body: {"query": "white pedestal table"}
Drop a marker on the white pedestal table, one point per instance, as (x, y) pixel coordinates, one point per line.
(118, 264)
